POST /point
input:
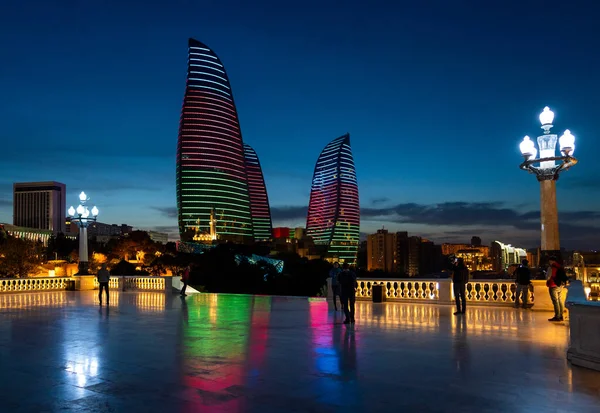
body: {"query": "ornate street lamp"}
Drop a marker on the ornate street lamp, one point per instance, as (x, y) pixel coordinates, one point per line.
(81, 215)
(547, 169)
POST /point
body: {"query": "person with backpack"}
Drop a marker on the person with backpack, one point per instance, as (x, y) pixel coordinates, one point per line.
(557, 278)
(335, 284)
(523, 279)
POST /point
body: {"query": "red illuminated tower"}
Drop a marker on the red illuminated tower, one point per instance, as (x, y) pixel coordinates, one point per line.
(211, 167)
(333, 212)
(259, 201)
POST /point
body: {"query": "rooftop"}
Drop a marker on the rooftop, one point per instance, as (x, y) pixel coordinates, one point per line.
(60, 351)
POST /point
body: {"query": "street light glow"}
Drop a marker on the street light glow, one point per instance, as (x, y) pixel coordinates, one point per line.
(547, 168)
(547, 116)
(83, 220)
(528, 148)
(567, 143)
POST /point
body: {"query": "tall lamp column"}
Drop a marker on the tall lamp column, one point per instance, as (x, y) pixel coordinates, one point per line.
(83, 217)
(547, 169)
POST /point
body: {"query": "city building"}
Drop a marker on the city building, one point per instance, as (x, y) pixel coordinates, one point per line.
(476, 259)
(452, 249)
(381, 251)
(333, 220)
(505, 255)
(160, 237)
(40, 205)
(259, 201)
(402, 253)
(211, 168)
(288, 233)
(431, 259)
(206, 236)
(476, 241)
(31, 234)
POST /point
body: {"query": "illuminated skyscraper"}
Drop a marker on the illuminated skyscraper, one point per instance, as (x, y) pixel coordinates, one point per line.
(333, 212)
(211, 168)
(259, 201)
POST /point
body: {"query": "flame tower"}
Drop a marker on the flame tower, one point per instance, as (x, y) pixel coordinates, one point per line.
(333, 212)
(259, 201)
(211, 168)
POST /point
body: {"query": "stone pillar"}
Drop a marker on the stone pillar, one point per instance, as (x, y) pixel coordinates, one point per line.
(445, 291)
(83, 251)
(549, 219)
(168, 284)
(84, 282)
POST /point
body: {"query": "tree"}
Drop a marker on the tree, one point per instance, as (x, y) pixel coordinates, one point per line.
(133, 245)
(123, 268)
(18, 257)
(157, 268)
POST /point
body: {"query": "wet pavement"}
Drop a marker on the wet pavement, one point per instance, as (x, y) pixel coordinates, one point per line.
(147, 352)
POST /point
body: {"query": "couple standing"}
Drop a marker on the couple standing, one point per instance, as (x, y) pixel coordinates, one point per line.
(343, 284)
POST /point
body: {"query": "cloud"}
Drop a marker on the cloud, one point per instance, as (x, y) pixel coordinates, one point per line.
(169, 212)
(289, 212)
(5, 203)
(379, 201)
(470, 213)
(459, 220)
(166, 228)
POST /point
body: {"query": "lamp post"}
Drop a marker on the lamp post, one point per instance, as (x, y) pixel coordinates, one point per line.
(547, 168)
(81, 215)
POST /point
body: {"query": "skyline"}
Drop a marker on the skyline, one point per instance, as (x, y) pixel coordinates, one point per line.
(435, 131)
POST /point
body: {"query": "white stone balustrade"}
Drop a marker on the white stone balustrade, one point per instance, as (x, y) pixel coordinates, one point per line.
(405, 289)
(14, 285)
(137, 283)
(479, 292)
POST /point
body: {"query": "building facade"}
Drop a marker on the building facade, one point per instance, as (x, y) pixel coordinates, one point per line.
(259, 201)
(381, 251)
(333, 220)
(453, 249)
(40, 205)
(505, 255)
(211, 167)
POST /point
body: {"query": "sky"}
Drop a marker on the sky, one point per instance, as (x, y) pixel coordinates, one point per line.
(436, 96)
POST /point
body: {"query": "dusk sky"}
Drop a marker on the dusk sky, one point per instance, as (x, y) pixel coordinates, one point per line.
(436, 96)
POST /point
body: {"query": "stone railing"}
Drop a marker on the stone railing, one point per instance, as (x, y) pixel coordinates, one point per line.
(480, 292)
(14, 285)
(401, 289)
(134, 282)
(494, 292)
(584, 317)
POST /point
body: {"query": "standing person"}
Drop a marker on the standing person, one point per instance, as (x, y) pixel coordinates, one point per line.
(185, 278)
(523, 279)
(460, 278)
(334, 274)
(347, 281)
(557, 277)
(103, 279)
